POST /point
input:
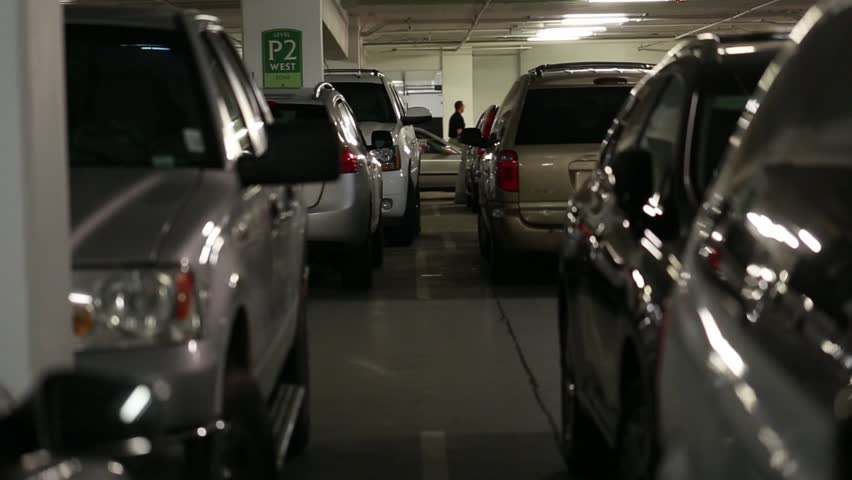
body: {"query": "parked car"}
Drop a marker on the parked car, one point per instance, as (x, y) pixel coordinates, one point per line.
(344, 216)
(625, 230)
(756, 359)
(472, 156)
(188, 233)
(377, 106)
(544, 143)
(439, 161)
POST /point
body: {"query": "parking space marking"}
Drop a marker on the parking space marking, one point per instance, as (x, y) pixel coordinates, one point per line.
(433, 456)
(422, 285)
(449, 244)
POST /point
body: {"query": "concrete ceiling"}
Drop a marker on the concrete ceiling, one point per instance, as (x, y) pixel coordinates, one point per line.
(432, 24)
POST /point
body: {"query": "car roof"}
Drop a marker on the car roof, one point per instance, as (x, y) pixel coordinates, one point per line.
(158, 17)
(587, 73)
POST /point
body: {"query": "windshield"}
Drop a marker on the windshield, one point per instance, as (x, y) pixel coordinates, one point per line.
(132, 101)
(369, 101)
(569, 114)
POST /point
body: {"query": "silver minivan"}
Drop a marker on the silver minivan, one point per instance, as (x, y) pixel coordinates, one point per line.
(344, 216)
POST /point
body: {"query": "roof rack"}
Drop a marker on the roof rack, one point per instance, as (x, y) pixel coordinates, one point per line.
(566, 67)
(320, 87)
(725, 38)
(355, 71)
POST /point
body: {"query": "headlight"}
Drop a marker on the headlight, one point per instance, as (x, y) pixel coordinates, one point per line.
(130, 308)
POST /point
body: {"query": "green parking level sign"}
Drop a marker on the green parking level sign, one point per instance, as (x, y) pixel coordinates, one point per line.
(282, 58)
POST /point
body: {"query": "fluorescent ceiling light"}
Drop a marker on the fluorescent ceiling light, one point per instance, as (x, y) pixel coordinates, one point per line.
(558, 34)
(627, 1)
(596, 19)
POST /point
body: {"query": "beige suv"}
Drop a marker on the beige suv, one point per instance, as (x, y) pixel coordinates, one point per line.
(543, 145)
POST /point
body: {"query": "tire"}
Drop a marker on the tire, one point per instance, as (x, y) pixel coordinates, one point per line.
(297, 372)
(379, 245)
(407, 231)
(583, 446)
(474, 198)
(482, 237)
(250, 443)
(636, 450)
(358, 266)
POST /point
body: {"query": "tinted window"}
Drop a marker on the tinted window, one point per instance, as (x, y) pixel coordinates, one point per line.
(369, 101)
(132, 100)
(717, 120)
(302, 114)
(569, 115)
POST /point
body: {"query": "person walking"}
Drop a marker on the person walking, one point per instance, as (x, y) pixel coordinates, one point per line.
(457, 121)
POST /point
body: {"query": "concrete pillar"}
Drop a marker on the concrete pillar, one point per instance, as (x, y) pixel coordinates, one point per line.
(355, 46)
(35, 329)
(457, 68)
(283, 42)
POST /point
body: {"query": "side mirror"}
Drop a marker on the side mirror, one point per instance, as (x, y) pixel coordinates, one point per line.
(473, 138)
(634, 178)
(381, 139)
(416, 115)
(298, 152)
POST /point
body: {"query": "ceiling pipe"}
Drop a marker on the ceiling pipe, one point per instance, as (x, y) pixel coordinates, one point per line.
(711, 25)
(473, 25)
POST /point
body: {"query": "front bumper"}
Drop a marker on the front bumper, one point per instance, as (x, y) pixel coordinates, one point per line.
(396, 190)
(191, 372)
(515, 236)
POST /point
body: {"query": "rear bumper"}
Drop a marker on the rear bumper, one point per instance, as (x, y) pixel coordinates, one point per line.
(190, 371)
(343, 214)
(515, 236)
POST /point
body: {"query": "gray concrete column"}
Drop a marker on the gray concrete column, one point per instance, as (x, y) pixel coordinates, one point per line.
(35, 328)
(283, 42)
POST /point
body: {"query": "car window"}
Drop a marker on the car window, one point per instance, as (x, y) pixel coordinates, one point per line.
(504, 114)
(348, 124)
(369, 101)
(717, 120)
(133, 100)
(569, 115)
(662, 134)
(234, 63)
(235, 115)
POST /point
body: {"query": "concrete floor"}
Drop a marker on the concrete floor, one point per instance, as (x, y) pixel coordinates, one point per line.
(420, 379)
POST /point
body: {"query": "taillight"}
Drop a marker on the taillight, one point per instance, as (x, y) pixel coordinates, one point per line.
(392, 163)
(183, 298)
(507, 171)
(348, 161)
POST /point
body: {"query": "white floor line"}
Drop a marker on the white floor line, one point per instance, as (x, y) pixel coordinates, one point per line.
(422, 285)
(449, 244)
(433, 456)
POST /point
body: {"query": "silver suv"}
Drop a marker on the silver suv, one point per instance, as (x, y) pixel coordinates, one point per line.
(344, 216)
(377, 106)
(187, 231)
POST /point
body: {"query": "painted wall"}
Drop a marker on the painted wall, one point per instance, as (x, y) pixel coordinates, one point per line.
(598, 50)
(493, 75)
(458, 84)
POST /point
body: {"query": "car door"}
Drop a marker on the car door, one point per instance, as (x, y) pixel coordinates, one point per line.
(631, 241)
(251, 223)
(283, 216)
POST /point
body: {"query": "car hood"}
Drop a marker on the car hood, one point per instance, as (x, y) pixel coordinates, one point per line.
(121, 216)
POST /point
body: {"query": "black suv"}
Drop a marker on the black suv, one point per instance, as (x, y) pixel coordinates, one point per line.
(625, 230)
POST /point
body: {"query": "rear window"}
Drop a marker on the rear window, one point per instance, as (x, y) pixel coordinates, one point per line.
(569, 114)
(289, 113)
(133, 100)
(369, 101)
